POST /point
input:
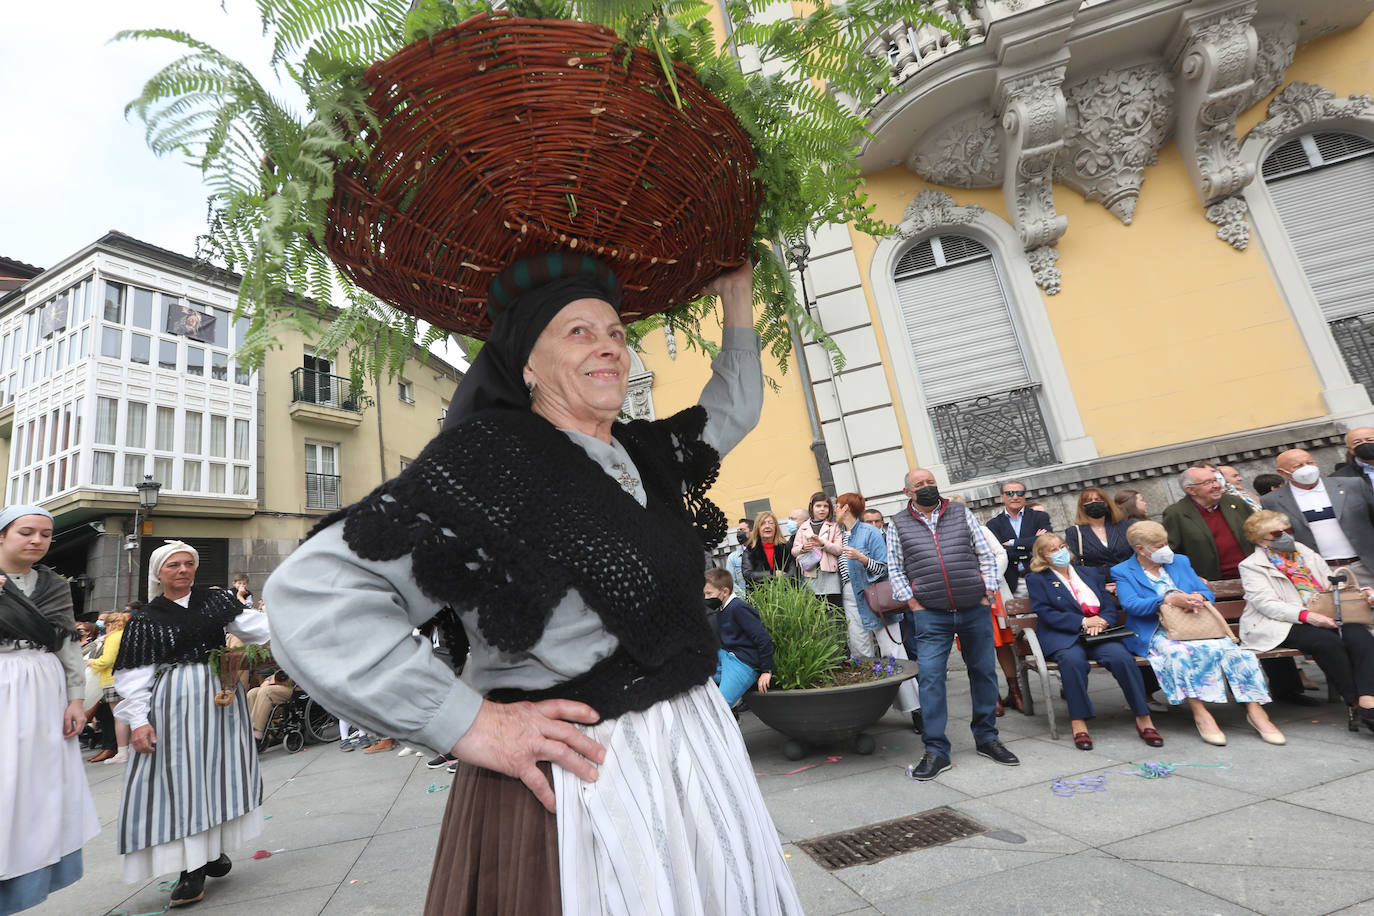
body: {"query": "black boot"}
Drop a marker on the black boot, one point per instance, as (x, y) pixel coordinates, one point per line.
(190, 888)
(219, 867)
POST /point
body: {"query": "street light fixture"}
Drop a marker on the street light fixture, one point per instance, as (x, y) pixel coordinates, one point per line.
(147, 493)
(799, 254)
(147, 502)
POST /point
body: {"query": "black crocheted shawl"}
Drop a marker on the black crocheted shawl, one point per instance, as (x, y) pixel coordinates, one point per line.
(43, 618)
(505, 514)
(165, 633)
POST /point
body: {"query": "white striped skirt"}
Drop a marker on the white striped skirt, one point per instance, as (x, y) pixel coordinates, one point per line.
(675, 824)
(199, 793)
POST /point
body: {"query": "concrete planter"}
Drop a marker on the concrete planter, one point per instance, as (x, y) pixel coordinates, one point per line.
(828, 715)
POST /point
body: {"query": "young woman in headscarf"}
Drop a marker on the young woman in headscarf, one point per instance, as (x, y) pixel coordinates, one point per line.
(601, 770)
(192, 790)
(46, 811)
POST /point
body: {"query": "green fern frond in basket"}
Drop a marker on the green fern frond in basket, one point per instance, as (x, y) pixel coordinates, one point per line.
(270, 168)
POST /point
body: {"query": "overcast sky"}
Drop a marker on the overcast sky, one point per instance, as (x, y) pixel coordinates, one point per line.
(72, 166)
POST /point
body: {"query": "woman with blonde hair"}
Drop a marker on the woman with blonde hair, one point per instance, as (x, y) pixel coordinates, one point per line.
(1281, 578)
(103, 665)
(1195, 671)
(766, 553)
(1098, 536)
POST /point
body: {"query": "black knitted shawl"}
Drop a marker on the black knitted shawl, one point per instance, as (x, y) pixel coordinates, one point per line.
(165, 633)
(505, 514)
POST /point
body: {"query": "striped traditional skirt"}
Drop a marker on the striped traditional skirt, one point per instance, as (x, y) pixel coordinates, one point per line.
(198, 794)
(46, 811)
(675, 824)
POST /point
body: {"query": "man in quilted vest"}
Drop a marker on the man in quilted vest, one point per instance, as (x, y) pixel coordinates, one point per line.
(942, 565)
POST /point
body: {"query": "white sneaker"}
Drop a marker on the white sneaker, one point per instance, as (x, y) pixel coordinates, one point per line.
(118, 758)
(407, 751)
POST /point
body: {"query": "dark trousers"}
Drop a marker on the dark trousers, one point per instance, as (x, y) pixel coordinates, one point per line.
(934, 633)
(1346, 658)
(104, 717)
(1116, 658)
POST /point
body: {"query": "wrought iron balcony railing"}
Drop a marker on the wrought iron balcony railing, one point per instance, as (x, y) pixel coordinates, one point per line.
(327, 390)
(993, 434)
(321, 490)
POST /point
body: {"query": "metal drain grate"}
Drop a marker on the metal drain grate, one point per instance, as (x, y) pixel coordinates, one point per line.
(890, 838)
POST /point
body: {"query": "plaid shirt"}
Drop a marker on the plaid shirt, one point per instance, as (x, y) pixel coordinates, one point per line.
(987, 560)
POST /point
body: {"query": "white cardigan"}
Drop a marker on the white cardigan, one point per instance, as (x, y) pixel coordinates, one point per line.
(1272, 602)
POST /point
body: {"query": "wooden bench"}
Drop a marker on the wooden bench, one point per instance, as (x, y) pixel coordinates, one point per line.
(1230, 602)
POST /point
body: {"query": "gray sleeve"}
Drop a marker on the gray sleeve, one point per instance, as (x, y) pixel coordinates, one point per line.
(733, 397)
(74, 667)
(343, 627)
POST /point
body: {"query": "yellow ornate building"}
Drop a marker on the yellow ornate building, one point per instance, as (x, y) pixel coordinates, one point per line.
(1131, 234)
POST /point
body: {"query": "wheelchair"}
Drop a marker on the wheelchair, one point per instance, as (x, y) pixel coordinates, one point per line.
(297, 722)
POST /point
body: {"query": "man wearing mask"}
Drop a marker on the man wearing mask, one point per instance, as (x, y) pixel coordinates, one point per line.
(1359, 456)
(1017, 527)
(1331, 515)
(1207, 527)
(792, 523)
(736, 557)
(945, 569)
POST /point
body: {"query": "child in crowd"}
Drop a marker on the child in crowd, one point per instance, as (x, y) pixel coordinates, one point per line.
(746, 650)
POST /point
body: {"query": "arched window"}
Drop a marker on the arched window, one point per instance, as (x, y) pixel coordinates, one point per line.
(980, 391)
(1322, 186)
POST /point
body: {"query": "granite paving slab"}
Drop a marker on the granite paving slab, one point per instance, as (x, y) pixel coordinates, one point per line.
(822, 891)
(1272, 890)
(1349, 797)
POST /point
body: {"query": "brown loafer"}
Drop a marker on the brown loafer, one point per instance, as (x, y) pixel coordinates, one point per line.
(1083, 741)
(102, 754)
(1150, 736)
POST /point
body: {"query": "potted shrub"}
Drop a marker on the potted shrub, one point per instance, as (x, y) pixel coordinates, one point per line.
(818, 694)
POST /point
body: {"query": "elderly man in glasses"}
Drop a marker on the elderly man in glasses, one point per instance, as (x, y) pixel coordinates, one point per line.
(1017, 528)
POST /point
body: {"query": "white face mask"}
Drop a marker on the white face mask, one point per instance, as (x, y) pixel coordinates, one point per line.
(1307, 475)
(1163, 555)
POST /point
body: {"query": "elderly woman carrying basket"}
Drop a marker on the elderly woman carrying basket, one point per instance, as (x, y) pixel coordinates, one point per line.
(601, 771)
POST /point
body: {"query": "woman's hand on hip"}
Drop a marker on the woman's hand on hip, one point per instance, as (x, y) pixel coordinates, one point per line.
(73, 719)
(512, 738)
(144, 739)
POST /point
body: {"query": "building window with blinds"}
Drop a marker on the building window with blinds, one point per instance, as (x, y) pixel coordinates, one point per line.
(1322, 185)
(981, 394)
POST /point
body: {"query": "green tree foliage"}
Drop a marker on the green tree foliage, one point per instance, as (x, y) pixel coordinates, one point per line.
(270, 168)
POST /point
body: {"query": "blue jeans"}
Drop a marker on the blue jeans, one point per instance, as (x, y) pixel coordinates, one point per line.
(734, 676)
(934, 633)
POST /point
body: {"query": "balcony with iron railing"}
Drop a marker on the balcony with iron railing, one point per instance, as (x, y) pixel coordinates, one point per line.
(993, 434)
(323, 398)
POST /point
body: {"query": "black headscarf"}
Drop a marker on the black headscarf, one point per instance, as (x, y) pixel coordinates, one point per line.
(522, 300)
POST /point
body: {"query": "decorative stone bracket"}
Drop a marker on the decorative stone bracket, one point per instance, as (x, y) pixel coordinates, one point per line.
(1214, 56)
(1033, 117)
(933, 209)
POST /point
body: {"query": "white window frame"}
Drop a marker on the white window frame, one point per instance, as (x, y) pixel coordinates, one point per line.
(1031, 319)
(1339, 392)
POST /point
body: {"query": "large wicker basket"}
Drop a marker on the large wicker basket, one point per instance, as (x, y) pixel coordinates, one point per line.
(504, 137)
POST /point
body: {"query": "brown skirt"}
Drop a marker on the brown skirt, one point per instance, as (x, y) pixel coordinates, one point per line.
(498, 850)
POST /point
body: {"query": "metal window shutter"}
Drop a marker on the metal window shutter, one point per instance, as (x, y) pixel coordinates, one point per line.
(961, 332)
(1329, 216)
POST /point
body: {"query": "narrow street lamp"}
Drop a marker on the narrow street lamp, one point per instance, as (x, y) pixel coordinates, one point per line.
(147, 502)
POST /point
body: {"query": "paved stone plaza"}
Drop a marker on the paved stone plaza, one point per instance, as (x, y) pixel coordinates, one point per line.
(1284, 830)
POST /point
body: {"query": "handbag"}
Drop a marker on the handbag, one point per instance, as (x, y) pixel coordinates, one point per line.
(880, 600)
(1182, 626)
(1111, 634)
(1354, 605)
(809, 560)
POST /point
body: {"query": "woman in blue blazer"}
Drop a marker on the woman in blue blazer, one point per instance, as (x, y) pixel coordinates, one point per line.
(1070, 602)
(1198, 670)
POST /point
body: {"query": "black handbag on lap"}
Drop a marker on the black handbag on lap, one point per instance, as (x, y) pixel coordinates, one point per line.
(1111, 634)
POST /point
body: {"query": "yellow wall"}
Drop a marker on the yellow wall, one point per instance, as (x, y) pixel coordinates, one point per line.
(774, 461)
(1167, 333)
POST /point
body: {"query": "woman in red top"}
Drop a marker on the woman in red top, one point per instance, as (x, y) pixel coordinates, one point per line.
(766, 553)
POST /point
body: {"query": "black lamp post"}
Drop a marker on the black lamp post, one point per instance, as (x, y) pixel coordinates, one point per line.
(147, 502)
(799, 253)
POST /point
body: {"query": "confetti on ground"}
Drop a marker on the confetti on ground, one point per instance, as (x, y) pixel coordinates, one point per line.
(434, 788)
(267, 817)
(1150, 769)
(809, 766)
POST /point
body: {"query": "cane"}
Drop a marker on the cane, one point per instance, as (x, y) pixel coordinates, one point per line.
(1338, 579)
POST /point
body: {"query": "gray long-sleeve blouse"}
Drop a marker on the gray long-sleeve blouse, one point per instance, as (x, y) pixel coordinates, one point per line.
(344, 627)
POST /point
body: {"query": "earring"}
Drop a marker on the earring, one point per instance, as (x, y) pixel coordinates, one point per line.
(529, 388)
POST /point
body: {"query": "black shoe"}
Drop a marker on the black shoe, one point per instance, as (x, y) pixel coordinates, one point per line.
(1300, 699)
(190, 887)
(929, 767)
(995, 751)
(452, 767)
(219, 867)
(442, 760)
(918, 723)
(1367, 717)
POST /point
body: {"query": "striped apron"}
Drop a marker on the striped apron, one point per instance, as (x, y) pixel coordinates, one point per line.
(202, 777)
